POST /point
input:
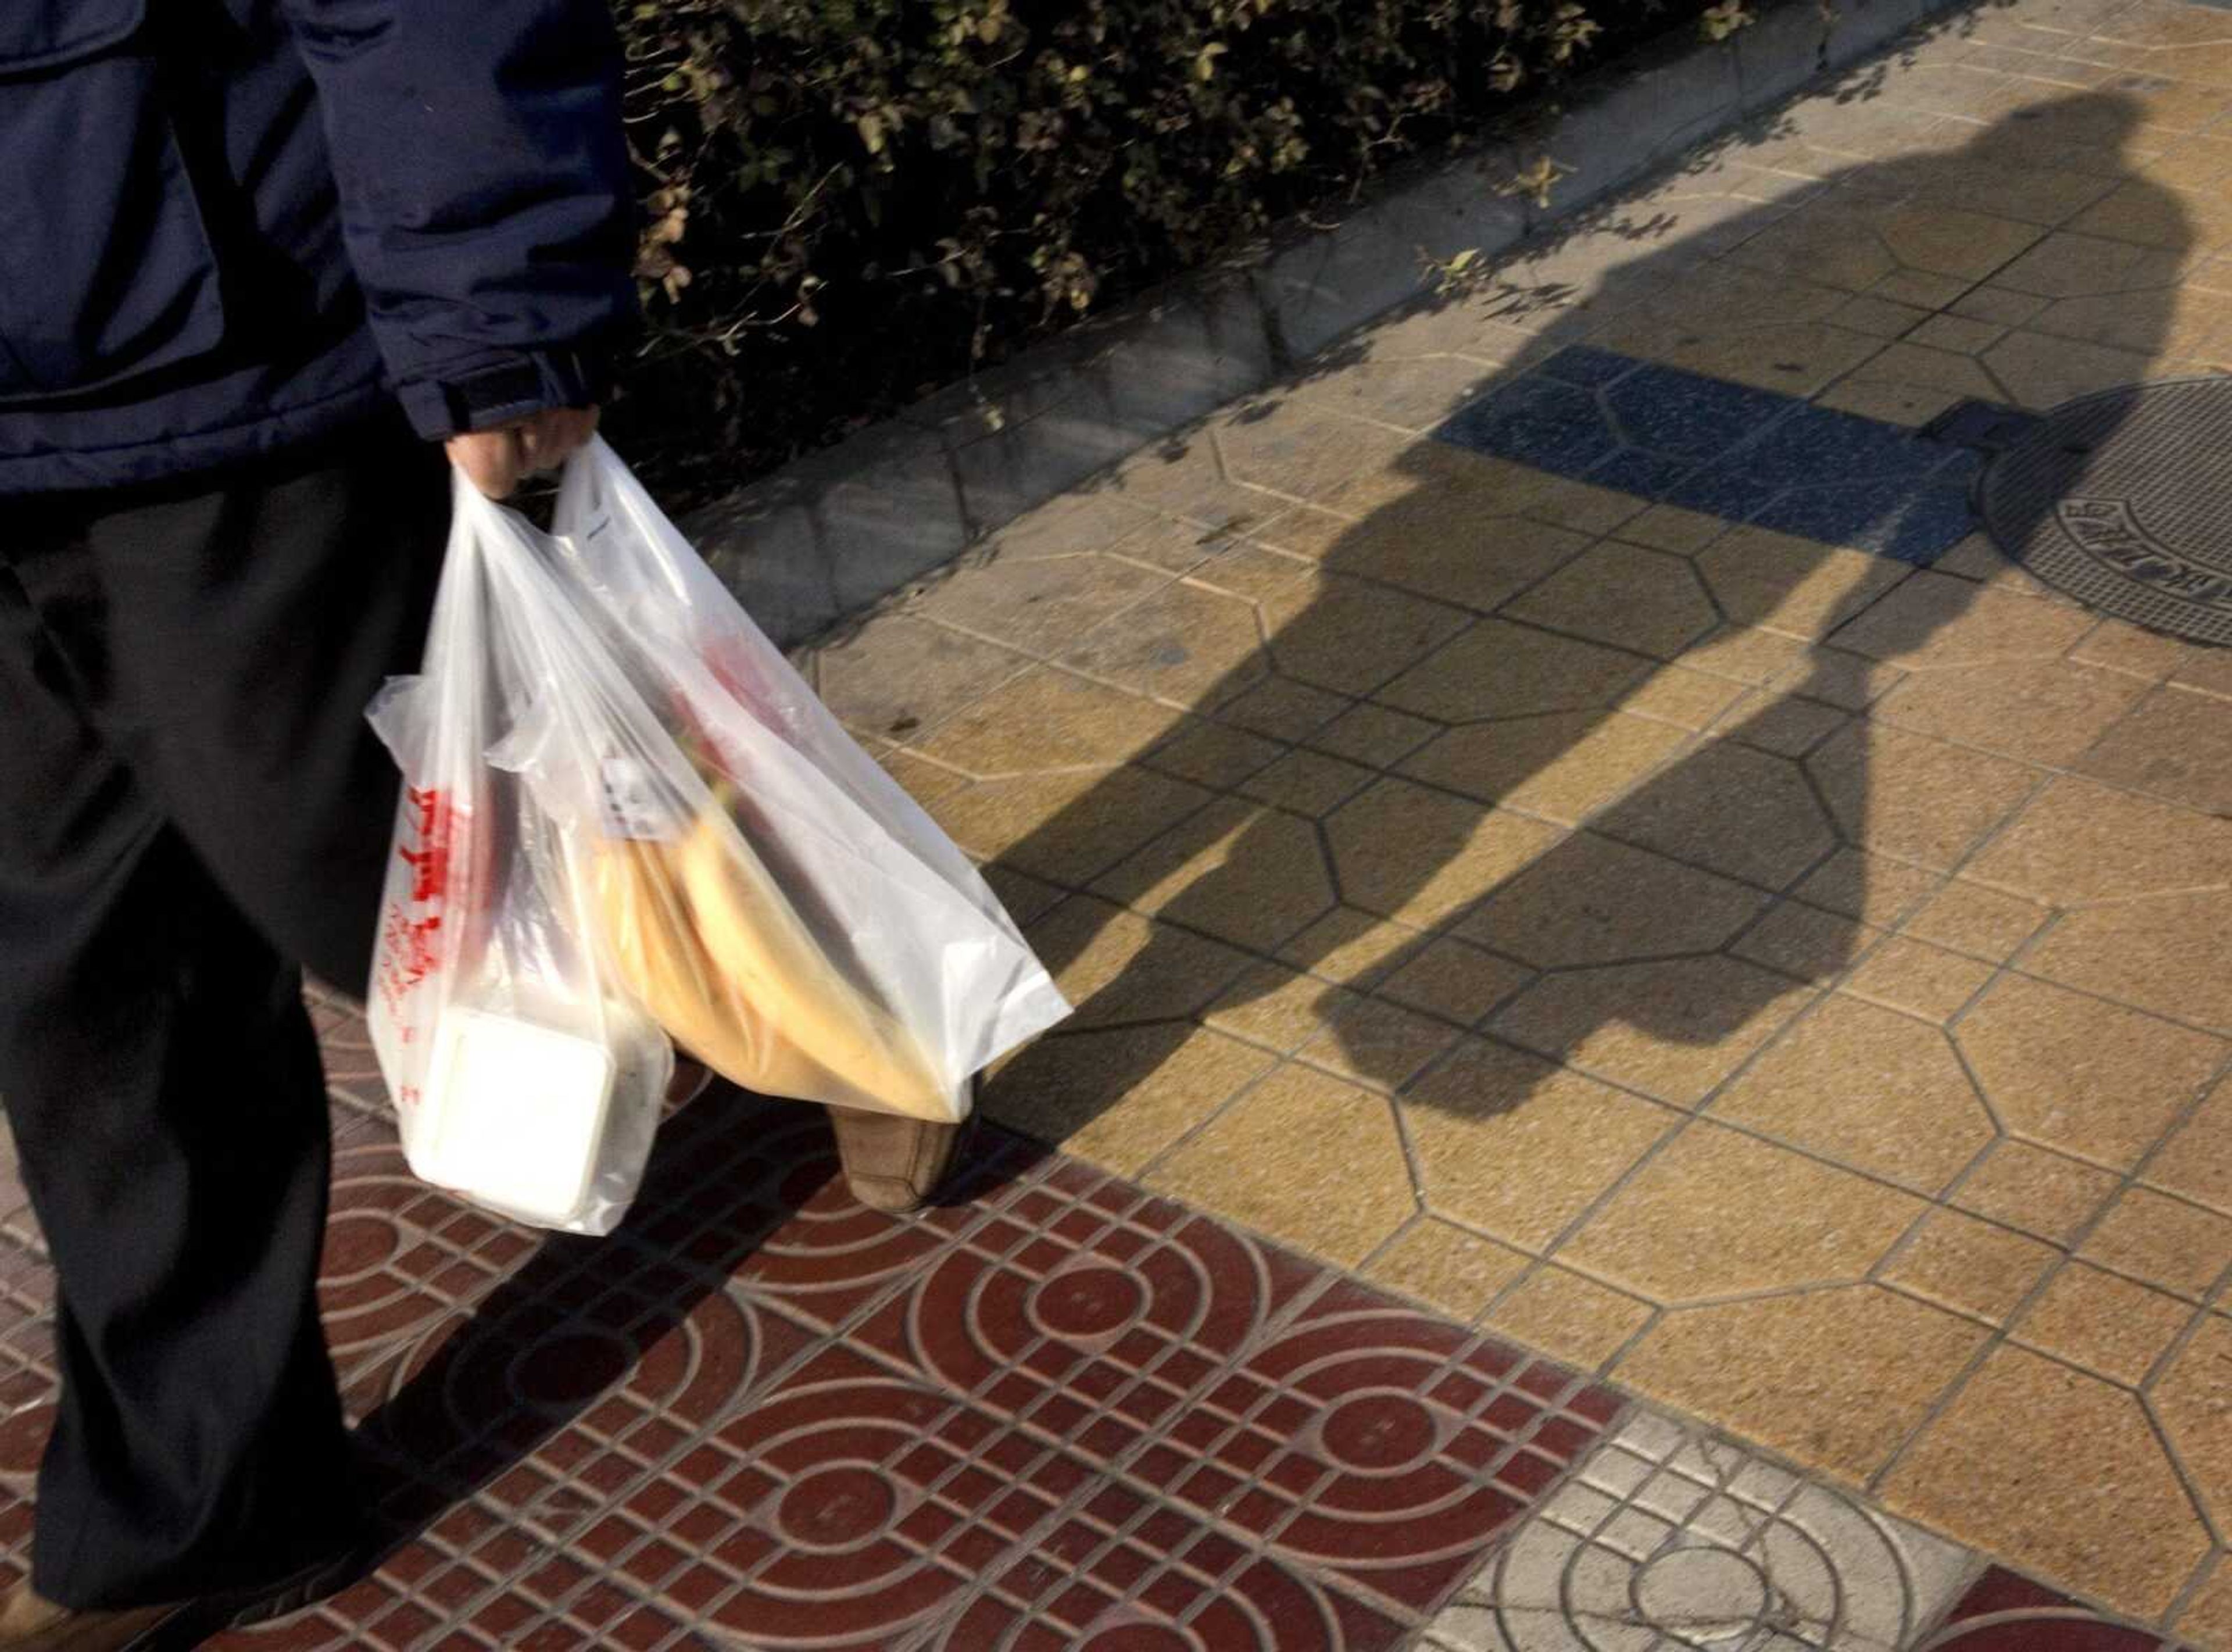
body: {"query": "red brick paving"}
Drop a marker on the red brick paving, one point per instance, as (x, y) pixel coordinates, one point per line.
(1056, 1414)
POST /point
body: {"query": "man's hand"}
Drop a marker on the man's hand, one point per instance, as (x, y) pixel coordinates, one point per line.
(498, 460)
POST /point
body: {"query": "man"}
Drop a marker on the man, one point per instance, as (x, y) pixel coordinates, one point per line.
(258, 258)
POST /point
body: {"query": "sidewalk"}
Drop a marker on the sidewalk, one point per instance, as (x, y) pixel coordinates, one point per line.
(1717, 922)
(1652, 1009)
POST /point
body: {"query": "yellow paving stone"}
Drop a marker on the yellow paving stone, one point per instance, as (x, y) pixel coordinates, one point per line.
(1669, 528)
(2197, 1161)
(1349, 635)
(925, 783)
(1377, 1044)
(1968, 917)
(2081, 843)
(1279, 708)
(1805, 941)
(1046, 720)
(1869, 1088)
(1647, 601)
(2036, 1460)
(1934, 621)
(1796, 586)
(1278, 1008)
(2036, 711)
(1970, 1266)
(2074, 1072)
(1910, 384)
(1919, 979)
(1912, 798)
(1447, 1268)
(1519, 1147)
(1255, 877)
(1455, 982)
(1420, 856)
(1305, 530)
(2207, 1619)
(1375, 735)
(2194, 1400)
(1352, 946)
(2207, 670)
(2104, 1323)
(1498, 669)
(1879, 316)
(1212, 755)
(1789, 357)
(2040, 1191)
(1674, 1029)
(1065, 827)
(1565, 765)
(1750, 656)
(1170, 545)
(2172, 955)
(1305, 1158)
(1437, 542)
(2127, 648)
(1783, 724)
(1688, 699)
(1038, 605)
(1299, 447)
(1962, 335)
(1835, 1379)
(1413, 393)
(1073, 525)
(1307, 783)
(1718, 1214)
(2164, 1241)
(1867, 887)
(1254, 573)
(2179, 745)
(2042, 372)
(1591, 900)
(1569, 1317)
(900, 675)
(2068, 265)
(1120, 1098)
(2001, 305)
(1741, 811)
(1116, 966)
(1187, 643)
(1026, 898)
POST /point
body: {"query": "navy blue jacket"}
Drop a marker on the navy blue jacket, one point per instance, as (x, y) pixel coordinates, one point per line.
(230, 226)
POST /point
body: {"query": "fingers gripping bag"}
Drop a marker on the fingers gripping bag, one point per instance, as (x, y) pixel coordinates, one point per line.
(804, 929)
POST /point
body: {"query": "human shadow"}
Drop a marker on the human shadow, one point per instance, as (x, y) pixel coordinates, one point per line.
(1607, 749)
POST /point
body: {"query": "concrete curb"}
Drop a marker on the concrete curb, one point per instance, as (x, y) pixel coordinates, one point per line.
(839, 530)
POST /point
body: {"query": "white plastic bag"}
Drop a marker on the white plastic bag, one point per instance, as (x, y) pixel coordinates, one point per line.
(523, 1075)
(877, 969)
(625, 813)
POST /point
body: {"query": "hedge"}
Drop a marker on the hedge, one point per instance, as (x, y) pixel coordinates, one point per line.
(849, 203)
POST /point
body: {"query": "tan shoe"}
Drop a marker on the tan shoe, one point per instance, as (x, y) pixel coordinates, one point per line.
(30, 1624)
(895, 1165)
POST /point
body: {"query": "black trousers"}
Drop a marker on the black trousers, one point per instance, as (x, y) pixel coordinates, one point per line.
(191, 809)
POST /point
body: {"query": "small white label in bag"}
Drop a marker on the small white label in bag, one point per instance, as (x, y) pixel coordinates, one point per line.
(634, 808)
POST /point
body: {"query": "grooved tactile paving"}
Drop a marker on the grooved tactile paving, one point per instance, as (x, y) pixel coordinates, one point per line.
(2124, 500)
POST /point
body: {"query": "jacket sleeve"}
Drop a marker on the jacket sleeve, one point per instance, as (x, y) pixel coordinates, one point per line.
(484, 195)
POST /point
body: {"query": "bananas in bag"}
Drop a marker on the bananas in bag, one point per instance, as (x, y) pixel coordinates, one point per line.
(627, 821)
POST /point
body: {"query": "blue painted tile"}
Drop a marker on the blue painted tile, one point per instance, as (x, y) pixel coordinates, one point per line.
(1683, 414)
(1728, 450)
(1647, 476)
(1591, 369)
(1552, 426)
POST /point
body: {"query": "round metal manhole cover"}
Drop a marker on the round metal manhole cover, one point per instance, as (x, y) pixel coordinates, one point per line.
(2124, 500)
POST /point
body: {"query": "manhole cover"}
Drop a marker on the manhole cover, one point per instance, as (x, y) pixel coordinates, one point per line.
(2124, 500)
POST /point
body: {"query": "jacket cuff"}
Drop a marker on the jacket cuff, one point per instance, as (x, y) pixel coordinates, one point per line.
(499, 394)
